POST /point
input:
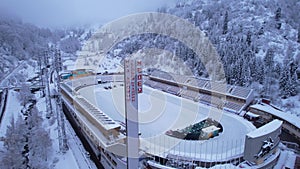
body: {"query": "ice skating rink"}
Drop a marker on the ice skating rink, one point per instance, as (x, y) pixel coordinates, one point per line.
(160, 112)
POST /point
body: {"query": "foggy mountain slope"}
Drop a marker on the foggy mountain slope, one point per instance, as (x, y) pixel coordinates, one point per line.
(20, 41)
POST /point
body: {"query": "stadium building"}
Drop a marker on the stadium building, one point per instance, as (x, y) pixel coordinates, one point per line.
(175, 128)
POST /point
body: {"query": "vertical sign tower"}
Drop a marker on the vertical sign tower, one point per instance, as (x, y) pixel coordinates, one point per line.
(133, 86)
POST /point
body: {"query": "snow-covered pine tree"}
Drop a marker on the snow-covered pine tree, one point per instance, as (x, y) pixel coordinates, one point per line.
(277, 18)
(248, 39)
(277, 70)
(259, 70)
(14, 143)
(288, 79)
(225, 24)
(269, 60)
(284, 83)
(39, 141)
(25, 94)
(298, 39)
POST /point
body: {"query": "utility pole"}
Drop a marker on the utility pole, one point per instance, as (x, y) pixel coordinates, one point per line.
(46, 79)
(59, 111)
(40, 63)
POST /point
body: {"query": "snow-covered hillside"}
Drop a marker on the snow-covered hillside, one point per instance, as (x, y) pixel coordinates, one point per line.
(258, 42)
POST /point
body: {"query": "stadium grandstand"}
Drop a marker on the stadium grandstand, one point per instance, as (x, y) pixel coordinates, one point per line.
(231, 98)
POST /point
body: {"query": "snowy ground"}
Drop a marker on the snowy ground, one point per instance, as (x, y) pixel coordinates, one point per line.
(292, 105)
(286, 159)
(75, 157)
(13, 109)
(95, 61)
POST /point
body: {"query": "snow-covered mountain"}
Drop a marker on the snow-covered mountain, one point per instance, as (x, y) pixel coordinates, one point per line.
(20, 41)
(258, 42)
(25, 42)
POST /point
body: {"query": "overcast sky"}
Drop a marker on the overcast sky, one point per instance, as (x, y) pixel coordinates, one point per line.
(57, 13)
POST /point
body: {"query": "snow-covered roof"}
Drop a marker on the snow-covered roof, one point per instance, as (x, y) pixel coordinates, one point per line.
(268, 128)
(210, 129)
(203, 83)
(99, 116)
(241, 92)
(293, 119)
(252, 114)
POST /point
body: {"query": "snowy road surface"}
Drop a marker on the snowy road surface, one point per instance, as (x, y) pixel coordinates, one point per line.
(21, 67)
(13, 109)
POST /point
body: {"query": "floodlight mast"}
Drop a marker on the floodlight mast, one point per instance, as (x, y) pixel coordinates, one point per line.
(133, 86)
